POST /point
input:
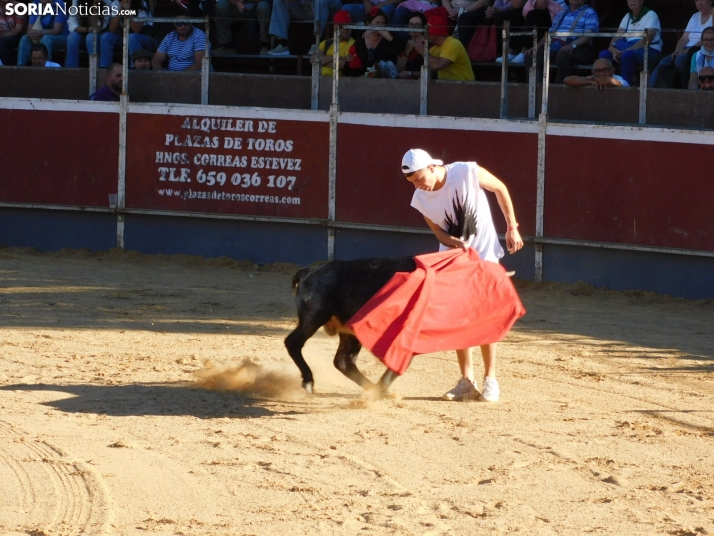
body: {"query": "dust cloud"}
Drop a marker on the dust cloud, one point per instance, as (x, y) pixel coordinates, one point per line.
(249, 378)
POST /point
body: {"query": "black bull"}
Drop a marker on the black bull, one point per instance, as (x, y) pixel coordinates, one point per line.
(329, 295)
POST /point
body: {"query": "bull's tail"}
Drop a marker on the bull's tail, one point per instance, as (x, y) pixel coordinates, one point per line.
(296, 279)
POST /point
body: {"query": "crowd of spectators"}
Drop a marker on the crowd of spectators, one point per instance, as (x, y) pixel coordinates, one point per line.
(453, 27)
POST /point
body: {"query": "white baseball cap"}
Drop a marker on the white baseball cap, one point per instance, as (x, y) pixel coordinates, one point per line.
(416, 159)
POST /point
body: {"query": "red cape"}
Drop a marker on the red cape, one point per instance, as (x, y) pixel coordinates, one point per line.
(452, 300)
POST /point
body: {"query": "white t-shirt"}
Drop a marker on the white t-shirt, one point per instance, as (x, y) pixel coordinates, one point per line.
(649, 22)
(621, 80)
(461, 209)
(695, 27)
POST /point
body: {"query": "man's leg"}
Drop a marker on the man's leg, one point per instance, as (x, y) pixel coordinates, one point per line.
(465, 389)
(279, 20)
(356, 11)
(490, 391)
(567, 60)
(467, 23)
(53, 42)
(683, 67)
(225, 14)
(74, 41)
(106, 47)
(388, 11)
(263, 11)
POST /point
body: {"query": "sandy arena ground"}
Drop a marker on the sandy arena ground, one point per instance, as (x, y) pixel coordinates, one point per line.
(108, 425)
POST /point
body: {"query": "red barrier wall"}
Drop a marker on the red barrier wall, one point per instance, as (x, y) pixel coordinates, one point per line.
(632, 192)
(372, 189)
(58, 158)
(227, 165)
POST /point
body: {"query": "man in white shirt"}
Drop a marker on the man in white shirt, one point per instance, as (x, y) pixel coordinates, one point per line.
(452, 199)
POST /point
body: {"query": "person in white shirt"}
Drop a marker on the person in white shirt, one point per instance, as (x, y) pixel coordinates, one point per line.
(603, 76)
(629, 52)
(453, 201)
(690, 38)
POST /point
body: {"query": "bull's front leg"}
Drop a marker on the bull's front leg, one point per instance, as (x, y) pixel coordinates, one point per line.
(294, 344)
(346, 358)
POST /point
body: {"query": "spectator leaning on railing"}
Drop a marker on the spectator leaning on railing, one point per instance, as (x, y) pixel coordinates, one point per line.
(603, 76)
(690, 38)
(112, 88)
(703, 58)
(185, 48)
(706, 78)
(38, 57)
(11, 29)
(630, 51)
(571, 51)
(80, 29)
(50, 30)
(447, 55)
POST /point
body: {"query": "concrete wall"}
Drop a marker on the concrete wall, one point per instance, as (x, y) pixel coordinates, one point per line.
(673, 108)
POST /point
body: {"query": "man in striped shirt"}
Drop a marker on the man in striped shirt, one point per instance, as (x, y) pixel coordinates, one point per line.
(184, 47)
(570, 51)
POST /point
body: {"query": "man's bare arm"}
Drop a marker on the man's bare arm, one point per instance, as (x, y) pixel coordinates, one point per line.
(514, 242)
(445, 238)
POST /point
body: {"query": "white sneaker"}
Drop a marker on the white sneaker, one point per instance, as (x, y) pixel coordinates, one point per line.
(464, 390)
(510, 58)
(280, 50)
(490, 392)
(313, 50)
(518, 59)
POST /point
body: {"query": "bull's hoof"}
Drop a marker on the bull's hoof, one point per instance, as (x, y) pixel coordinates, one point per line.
(308, 386)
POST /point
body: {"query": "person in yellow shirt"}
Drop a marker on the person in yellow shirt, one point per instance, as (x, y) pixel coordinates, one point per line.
(326, 50)
(447, 55)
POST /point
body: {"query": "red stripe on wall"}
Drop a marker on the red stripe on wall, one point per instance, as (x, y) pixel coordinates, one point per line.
(631, 192)
(58, 158)
(372, 189)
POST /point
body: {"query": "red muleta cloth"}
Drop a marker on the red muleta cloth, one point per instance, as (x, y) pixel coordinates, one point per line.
(452, 300)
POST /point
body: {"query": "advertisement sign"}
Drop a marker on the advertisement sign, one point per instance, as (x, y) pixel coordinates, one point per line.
(227, 165)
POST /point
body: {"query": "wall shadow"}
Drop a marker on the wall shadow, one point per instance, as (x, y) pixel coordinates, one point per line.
(157, 399)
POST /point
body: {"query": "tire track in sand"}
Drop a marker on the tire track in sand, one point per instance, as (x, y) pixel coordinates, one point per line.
(45, 491)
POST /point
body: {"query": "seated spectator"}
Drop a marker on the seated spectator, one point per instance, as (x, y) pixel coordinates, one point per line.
(11, 29)
(112, 88)
(326, 50)
(81, 28)
(50, 30)
(360, 9)
(185, 48)
(630, 52)
(447, 56)
(142, 59)
(227, 11)
(579, 18)
(140, 33)
(375, 46)
(410, 60)
(301, 10)
(603, 76)
(703, 58)
(38, 57)
(706, 78)
(690, 38)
